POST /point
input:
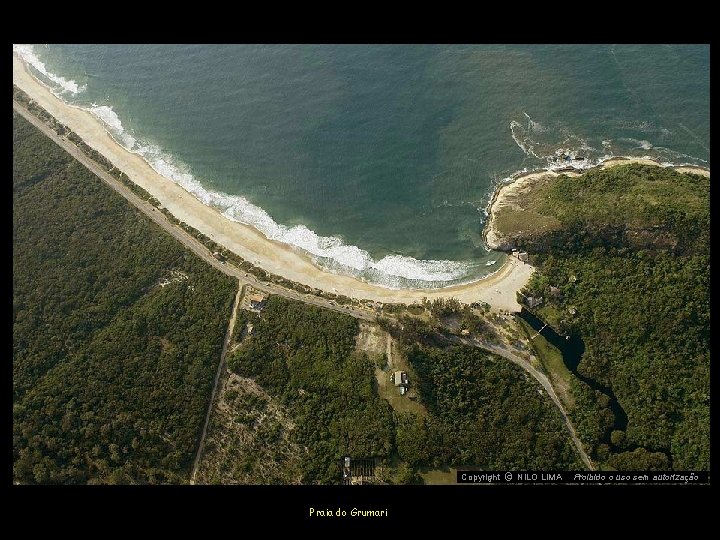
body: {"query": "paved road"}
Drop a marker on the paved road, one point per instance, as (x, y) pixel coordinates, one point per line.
(180, 234)
(220, 369)
(506, 353)
(248, 279)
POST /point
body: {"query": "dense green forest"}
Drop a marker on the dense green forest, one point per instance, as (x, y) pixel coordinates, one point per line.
(112, 368)
(117, 331)
(483, 411)
(630, 272)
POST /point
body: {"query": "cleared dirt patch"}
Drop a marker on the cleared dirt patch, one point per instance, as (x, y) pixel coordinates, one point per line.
(371, 339)
(249, 439)
(435, 477)
(382, 351)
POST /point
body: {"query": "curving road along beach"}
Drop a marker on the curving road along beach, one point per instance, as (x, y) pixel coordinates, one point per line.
(498, 290)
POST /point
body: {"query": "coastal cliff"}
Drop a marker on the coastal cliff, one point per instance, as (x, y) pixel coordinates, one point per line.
(623, 265)
(509, 218)
(545, 210)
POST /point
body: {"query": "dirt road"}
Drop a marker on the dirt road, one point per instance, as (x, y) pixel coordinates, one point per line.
(542, 379)
(221, 367)
(248, 279)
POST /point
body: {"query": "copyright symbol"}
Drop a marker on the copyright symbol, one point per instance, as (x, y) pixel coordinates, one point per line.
(508, 476)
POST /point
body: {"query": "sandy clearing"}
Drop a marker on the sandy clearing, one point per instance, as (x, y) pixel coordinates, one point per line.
(694, 170)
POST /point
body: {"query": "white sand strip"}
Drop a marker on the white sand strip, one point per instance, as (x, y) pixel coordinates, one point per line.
(498, 290)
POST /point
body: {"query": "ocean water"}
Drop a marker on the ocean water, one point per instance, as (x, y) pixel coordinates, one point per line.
(379, 161)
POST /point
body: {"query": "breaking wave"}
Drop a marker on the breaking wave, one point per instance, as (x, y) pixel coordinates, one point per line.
(26, 53)
(328, 252)
(522, 140)
(556, 147)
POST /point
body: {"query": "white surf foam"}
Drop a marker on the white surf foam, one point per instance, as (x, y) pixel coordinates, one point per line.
(565, 154)
(390, 270)
(524, 144)
(534, 126)
(112, 122)
(325, 249)
(26, 53)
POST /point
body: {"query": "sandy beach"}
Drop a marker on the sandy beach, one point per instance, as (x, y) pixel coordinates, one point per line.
(504, 195)
(498, 290)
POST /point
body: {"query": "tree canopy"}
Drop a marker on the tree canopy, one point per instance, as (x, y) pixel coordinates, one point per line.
(117, 330)
(640, 299)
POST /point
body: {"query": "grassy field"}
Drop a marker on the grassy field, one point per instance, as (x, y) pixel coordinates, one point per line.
(387, 389)
(436, 477)
(552, 363)
(373, 341)
(512, 220)
(521, 213)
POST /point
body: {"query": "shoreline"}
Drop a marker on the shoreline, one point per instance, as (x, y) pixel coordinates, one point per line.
(497, 289)
(517, 182)
(393, 271)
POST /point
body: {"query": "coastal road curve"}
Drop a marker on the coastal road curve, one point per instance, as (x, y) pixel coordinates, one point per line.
(541, 378)
(179, 233)
(248, 279)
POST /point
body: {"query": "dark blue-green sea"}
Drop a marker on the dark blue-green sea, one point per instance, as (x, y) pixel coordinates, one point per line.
(380, 160)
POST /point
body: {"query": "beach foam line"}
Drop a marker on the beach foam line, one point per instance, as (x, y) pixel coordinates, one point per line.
(498, 289)
(27, 54)
(328, 252)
